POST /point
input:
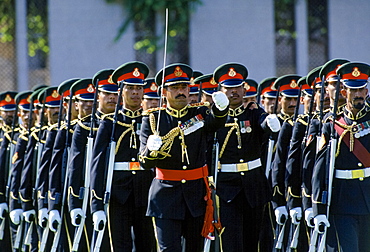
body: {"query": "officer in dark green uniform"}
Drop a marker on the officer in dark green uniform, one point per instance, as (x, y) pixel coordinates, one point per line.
(177, 148)
(130, 183)
(347, 191)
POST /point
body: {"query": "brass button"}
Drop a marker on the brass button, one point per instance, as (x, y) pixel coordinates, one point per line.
(133, 121)
(132, 159)
(241, 160)
(359, 164)
(183, 181)
(242, 173)
(180, 137)
(184, 167)
(134, 172)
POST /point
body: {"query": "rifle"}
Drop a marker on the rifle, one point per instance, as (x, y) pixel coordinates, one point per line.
(108, 175)
(28, 228)
(64, 177)
(295, 227)
(44, 221)
(84, 191)
(330, 173)
(271, 143)
(9, 155)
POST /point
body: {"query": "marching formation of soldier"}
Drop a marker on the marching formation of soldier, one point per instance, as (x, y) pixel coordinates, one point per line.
(188, 161)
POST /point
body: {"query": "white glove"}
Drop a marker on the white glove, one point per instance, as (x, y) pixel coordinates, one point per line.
(279, 213)
(98, 217)
(29, 215)
(16, 216)
(54, 217)
(3, 208)
(296, 215)
(273, 122)
(42, 216)
(76, 213)
(320, 220)
(308, 216)
(154, 142)
(220, 99)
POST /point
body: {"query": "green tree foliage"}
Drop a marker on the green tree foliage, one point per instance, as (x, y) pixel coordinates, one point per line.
(144, 11)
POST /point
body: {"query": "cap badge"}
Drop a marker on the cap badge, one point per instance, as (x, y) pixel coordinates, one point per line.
(356, 72)
(273, 87)
(153, 87)
(90, 88)
(54, 94)
(293, 84)
(178, 72)
(110, 80)
(136, 72)
(246, 86)
(213, 82)
(232, 72)
(8, 98)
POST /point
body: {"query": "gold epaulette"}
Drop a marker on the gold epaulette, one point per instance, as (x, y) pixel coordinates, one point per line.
(149, 111)
(198, 104)
(301, 119)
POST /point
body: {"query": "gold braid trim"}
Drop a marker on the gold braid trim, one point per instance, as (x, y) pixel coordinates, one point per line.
(93, 194)
(304, 193)
(276, 190)
(85, 127)
(132, 138)
(70, 192)
(50, 197)
(233, 126)
(291, 193)
(168, 140)
(22, 199)
(351, 139)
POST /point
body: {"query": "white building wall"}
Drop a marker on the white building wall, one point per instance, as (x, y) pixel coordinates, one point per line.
(81, 35)
(234, 31)
(349, 32)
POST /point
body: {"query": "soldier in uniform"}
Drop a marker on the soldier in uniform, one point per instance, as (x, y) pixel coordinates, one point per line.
(347, 191)
(16, 170)
(209, 86)
(130, 183)
(250, 95)
(241, 185)
(324, 101)
(8, 134)
(30, 195)
(107, 94)
(288, 85)
(177, 148)
(151, 98)
(58, 167)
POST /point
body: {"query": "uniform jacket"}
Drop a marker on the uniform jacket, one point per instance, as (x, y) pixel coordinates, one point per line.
(170, 199)
(242, 149)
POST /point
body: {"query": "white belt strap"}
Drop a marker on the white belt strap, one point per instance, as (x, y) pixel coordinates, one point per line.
(127, 166)
(240, 166)
(353, 174)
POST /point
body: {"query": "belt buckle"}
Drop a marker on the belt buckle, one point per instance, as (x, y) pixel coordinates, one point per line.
(242, 167)
(134, 166)
(358, 174)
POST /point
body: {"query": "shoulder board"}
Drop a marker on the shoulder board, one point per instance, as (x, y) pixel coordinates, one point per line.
(148, 111)
(73, 122)
(199, 104)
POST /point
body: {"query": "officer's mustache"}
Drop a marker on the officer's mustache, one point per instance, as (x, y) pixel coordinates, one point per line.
(291, 106)
(180, 95)
(358, 105)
